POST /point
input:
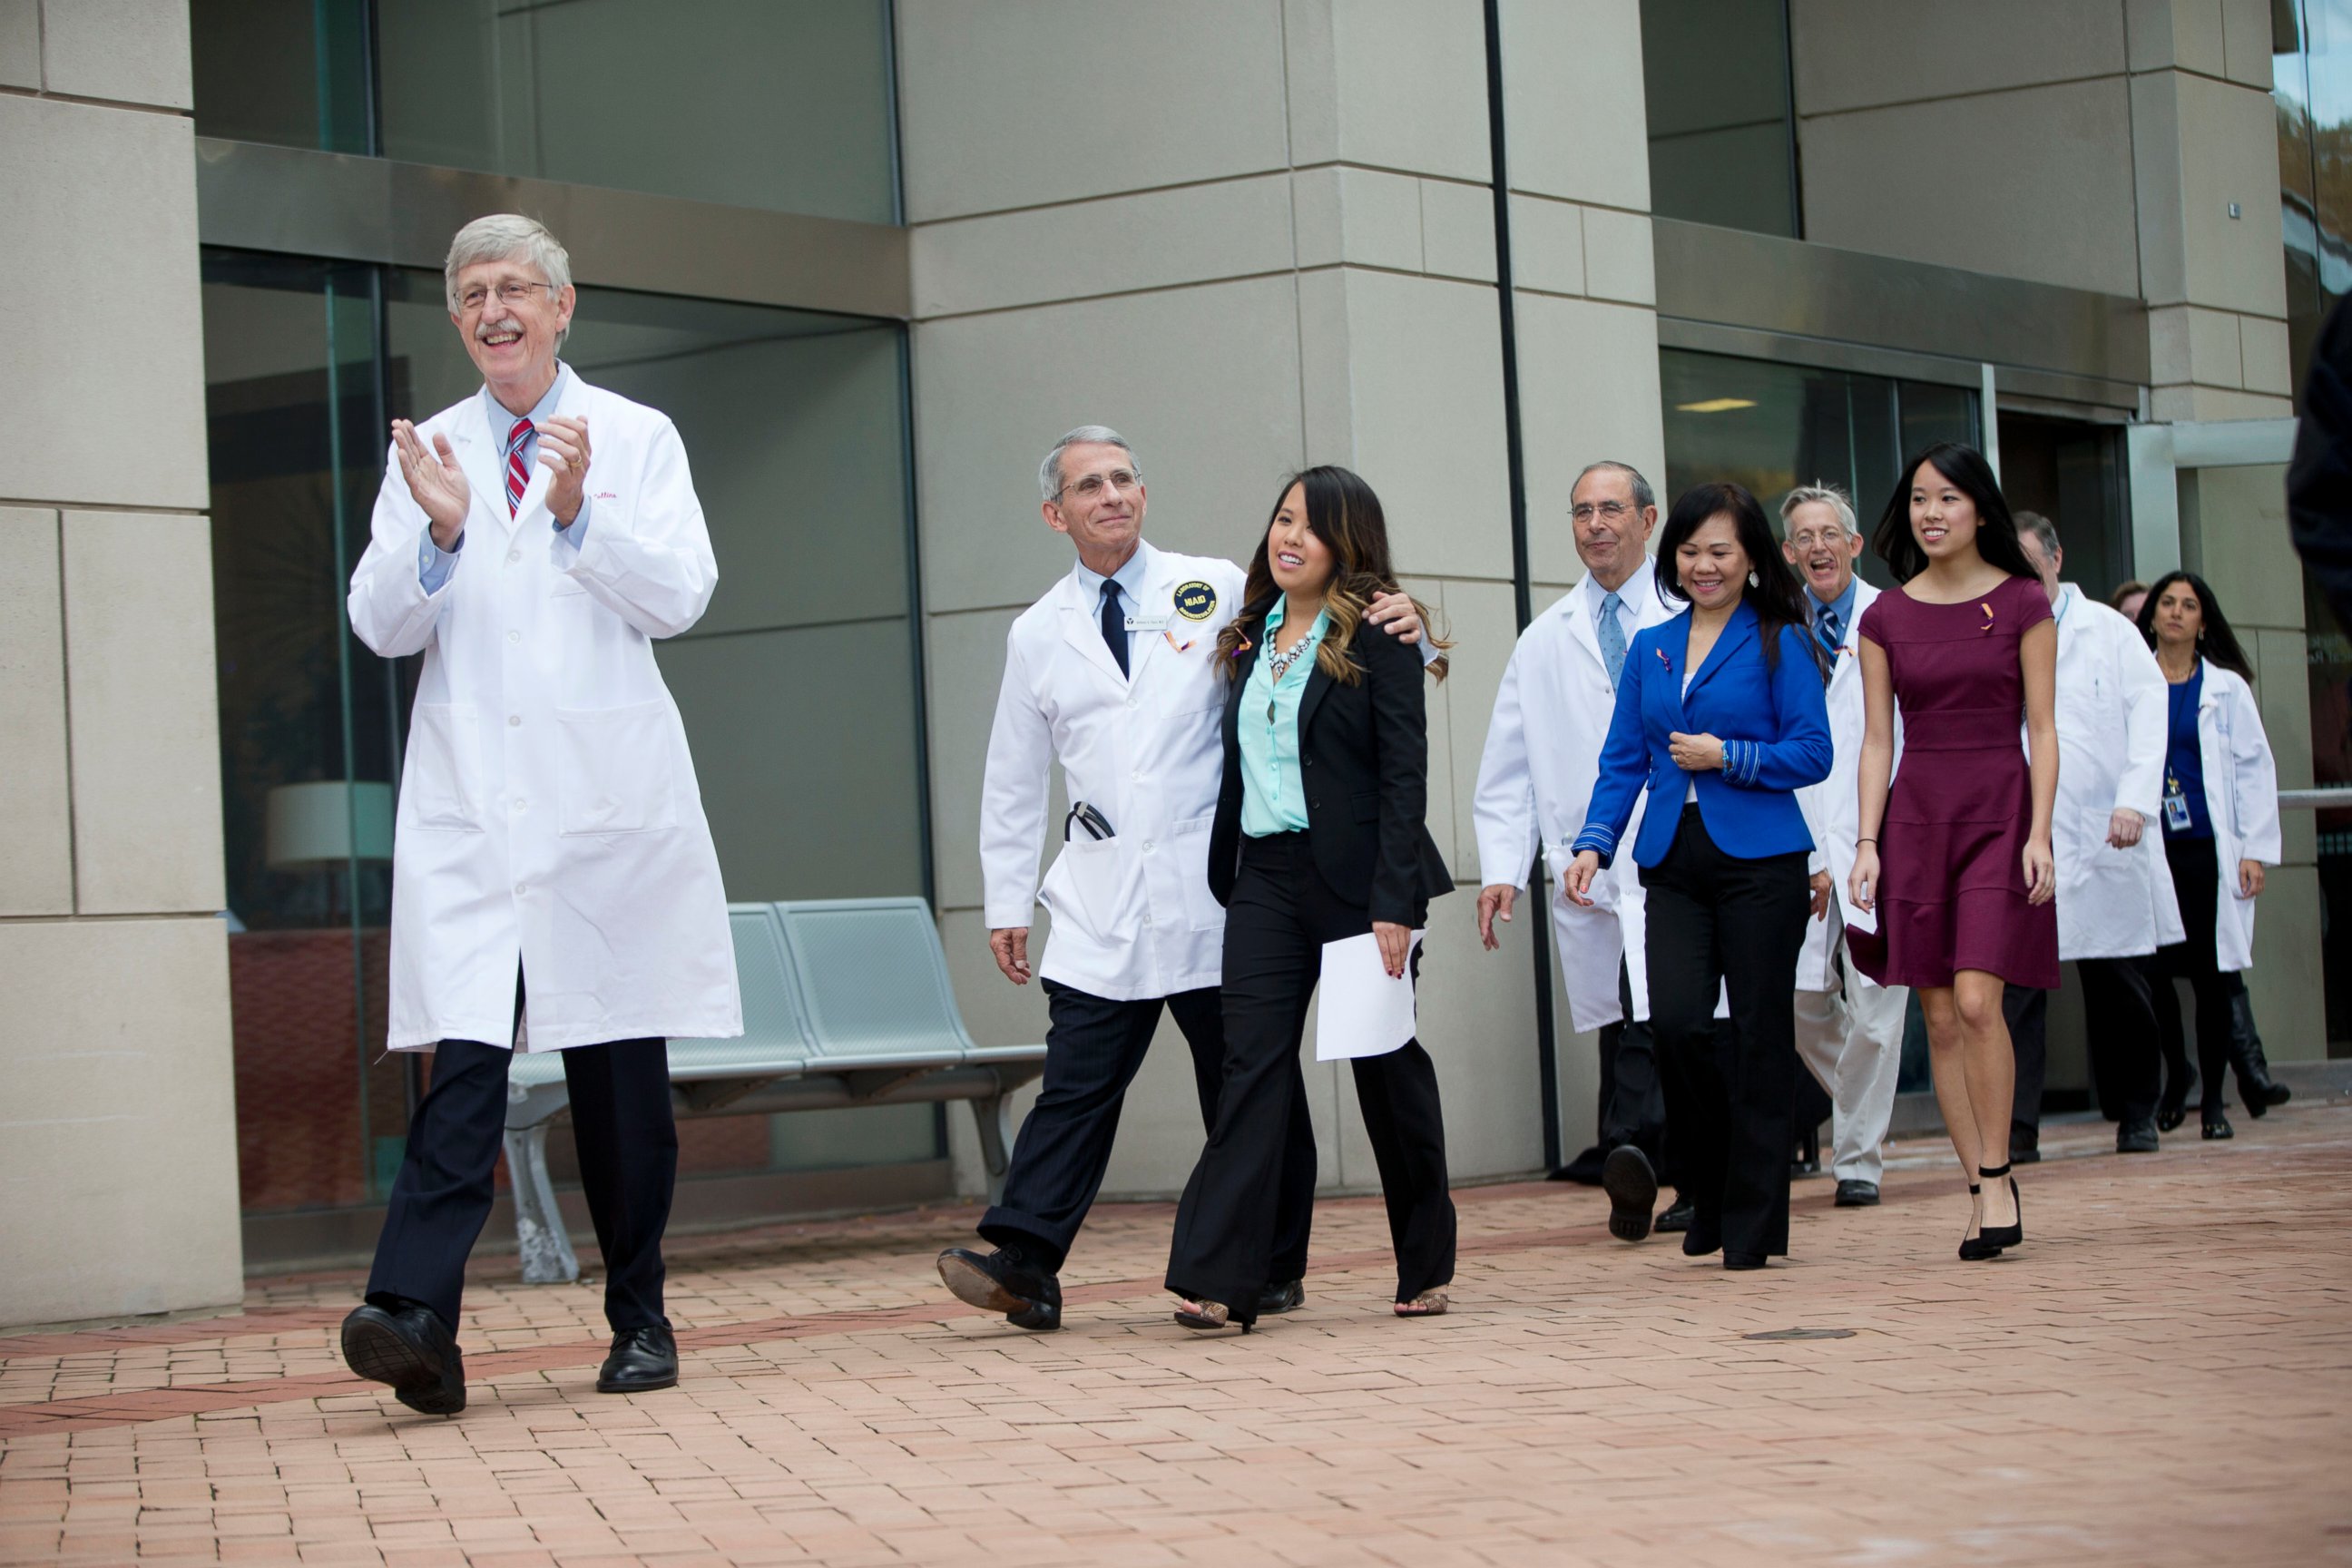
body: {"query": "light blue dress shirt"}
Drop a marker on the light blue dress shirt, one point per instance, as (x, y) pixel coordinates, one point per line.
(1273, 787)
(433, 563)
(1844, 607)
(1131, 578)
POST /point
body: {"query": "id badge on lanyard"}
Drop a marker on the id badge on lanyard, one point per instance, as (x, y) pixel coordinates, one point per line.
(2176, 804)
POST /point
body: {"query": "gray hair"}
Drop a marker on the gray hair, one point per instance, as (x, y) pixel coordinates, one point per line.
(505, 236)
(1827, 495)
(2043, 529)
(1049, 472)
(1645, 497)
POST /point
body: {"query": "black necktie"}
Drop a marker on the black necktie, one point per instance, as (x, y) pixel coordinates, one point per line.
(1114, 625)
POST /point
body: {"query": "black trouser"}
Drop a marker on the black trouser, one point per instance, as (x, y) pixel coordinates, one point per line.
(2120, 1029)
(1280, 915)
(1716, 922)
(1633, 1099)
(2197, 884)
(621, 1126)
(2026, 1010)
(1094, 1046)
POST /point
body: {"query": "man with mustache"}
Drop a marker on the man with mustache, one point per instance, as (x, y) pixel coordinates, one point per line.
(554, 885)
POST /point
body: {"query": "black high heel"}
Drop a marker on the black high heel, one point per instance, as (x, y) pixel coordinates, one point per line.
(2009, 1234)
(1972, 1247)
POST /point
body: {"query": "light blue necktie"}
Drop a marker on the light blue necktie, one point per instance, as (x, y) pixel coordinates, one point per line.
(1826, 625)
(1612, 636)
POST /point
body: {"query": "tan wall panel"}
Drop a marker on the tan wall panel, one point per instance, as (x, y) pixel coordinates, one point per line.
(1572, 100)
(136, 51)
(35, 807)
(20, 42)
(1855, 54)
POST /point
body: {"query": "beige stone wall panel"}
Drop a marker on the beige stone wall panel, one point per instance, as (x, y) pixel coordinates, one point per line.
(20, 42)
(132, 51)
(1412, 86)
(1588, 391)
(1860, 54)
(90, 191)
(1458, 230)
(117, 1145)
(145, 727)
(1572, 100)
(964, 664)
(1547, 245)
(36, 809)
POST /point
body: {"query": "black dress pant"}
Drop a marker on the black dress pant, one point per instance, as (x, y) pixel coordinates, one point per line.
(2197, 883)
(2026, 1010)
(1632, 1097)
(1719, 922)
(621, 1126)
(2120, 1021)
(1280, 915)
(1094, 1046)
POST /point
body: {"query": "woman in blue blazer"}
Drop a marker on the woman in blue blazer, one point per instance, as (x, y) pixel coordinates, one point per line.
(1721, 717)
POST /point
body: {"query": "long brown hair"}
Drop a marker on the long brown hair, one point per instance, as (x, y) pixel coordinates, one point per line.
(1343, 512)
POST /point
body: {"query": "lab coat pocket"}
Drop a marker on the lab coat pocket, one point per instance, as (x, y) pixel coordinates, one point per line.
(1189, 841)
(439, 789)
(617, 769)
(1081, 890)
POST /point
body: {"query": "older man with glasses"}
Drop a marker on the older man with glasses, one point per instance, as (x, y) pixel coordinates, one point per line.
(554, 885)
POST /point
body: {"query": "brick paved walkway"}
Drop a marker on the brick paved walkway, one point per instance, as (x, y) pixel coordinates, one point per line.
(2161, 1377)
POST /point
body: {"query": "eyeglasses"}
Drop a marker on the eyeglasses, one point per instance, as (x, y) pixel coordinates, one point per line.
(1092, 485)
(1608, 511)
(513, 291)
(1809, 538)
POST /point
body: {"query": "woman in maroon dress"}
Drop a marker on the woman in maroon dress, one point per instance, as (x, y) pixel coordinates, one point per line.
(1955, 859)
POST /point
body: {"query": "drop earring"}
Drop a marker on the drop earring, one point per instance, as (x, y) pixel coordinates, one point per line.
(1753, 581)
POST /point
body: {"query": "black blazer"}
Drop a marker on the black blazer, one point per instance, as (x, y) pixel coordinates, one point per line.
(1363, 753)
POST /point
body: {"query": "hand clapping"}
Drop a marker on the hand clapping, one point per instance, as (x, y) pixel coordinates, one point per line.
(436, 482)
(563, 448)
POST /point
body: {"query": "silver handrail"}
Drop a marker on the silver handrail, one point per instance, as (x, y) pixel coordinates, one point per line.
(2328, 799)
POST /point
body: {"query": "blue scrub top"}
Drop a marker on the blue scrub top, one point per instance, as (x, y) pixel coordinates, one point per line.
(2184, 762)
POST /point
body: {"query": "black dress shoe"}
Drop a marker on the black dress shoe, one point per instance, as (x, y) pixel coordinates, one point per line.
(1703, 1237)
(2138, 1137)
(642, 1360)
(1632, 1187)
(1857, 1195)
(1742, 1261)
(1281, 1296)
(2216, 1127)
(1005, 1281)
(2025, 1154)
(1584, 1170)
(411, 1349)
(2256, 1088)
(1677, 1218)
(2172, 1106)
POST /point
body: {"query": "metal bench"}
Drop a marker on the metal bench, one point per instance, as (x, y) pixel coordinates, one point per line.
(845, 1003)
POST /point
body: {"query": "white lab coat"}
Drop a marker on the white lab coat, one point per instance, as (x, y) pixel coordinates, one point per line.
(2241, 798)
(1534, 780)
(1133, 917)
(1833, 807)
(2112, 714)
(548, 812)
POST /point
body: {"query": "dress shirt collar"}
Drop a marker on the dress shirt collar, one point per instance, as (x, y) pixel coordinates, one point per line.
(1644, 580)
(1131, 577)
(1842, 604)
(502, 420)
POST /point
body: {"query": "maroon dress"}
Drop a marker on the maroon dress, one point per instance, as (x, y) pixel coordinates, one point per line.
(1951, 885)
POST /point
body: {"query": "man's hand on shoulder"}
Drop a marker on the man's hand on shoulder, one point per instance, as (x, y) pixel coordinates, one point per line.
(1394, 614)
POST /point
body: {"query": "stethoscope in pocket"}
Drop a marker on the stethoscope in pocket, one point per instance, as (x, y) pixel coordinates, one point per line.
(1084, 816)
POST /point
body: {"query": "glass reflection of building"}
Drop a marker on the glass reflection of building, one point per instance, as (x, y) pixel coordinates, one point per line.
(793, 420)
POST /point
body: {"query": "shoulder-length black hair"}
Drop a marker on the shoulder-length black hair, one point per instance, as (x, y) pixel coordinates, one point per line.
(1778, 595)
(2218, 644)
(1972, 475)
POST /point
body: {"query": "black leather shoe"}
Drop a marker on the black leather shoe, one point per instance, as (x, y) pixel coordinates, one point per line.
(1281, 1296)
(1742, 1261)
(1704, 1236)
(2216, 1127)
(1857, 1195)
(1005, 1281)
(412, 1350)
(642, 1360)
(2137, 1137)
(1677, 1217)
(1632, 1187)
(2172, 1107)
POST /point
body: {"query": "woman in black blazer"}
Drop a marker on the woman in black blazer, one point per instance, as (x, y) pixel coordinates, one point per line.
(1318, 836)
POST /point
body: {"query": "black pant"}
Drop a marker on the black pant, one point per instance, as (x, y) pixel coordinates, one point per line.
(1093, 1047)
(2120, 1027)
(1716, 922)
(628, 1169)
(2026, 1010)
(1280, 915)
(2197, 883)
(1633, 1099)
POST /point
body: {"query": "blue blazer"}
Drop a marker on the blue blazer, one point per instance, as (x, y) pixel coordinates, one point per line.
(1774, 724)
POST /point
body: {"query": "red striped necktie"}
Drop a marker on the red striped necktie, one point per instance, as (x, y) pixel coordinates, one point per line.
(518, 475)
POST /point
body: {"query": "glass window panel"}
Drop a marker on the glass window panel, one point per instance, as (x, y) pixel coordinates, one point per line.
(1931, 413)
(1722, 138)
(291, 72)
(783, 104)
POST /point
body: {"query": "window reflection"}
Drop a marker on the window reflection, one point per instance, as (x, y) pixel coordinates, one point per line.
(1722, 134)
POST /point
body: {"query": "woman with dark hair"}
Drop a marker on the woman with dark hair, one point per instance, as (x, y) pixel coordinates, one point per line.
(1722, 713)
(2220, 820)
(1318, 836)
(1954, 851)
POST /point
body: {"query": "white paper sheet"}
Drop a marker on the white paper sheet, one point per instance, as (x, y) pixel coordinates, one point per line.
(1359, 1010)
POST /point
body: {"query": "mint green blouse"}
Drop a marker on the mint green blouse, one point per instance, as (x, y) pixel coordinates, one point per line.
(1274, 792)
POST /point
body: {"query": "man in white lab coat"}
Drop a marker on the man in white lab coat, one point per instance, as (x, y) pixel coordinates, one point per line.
(554, 885)
(1534, 780)
(2114, 893)
(1849, 1027)
(1113, 671)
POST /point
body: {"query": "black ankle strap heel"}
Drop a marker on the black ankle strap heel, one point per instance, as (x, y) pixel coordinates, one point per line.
(1972, 1247)
(2012, 1234)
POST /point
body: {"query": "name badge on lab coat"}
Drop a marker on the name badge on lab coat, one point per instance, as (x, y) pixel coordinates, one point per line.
(1147, 623)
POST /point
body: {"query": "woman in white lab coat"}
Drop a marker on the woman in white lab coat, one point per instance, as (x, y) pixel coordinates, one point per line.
(2221, 822)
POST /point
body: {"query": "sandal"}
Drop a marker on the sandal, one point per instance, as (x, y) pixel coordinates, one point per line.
(1205, 1316)
(1428, 1304)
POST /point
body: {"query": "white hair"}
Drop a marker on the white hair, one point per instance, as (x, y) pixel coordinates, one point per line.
(1049, 472)
(1827, 495)
(509, 236)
